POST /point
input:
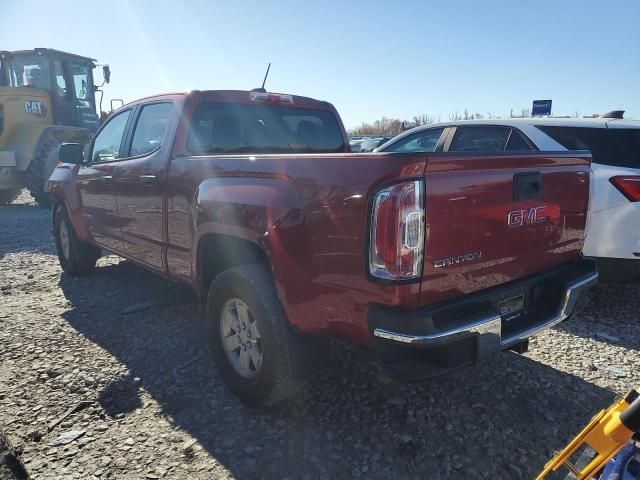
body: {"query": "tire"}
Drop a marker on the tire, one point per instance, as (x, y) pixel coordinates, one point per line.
(39, 171)
(76, 257)
(274, 380)
(8, 196)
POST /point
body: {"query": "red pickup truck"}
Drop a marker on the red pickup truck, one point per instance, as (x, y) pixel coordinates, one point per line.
(433, 259)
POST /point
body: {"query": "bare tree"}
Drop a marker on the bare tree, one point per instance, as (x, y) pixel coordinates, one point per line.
(424, 119)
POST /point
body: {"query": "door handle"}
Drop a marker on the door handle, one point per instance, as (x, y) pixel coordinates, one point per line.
(107, 179)
(148, 179)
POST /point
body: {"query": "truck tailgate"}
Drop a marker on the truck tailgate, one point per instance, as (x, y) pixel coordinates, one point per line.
(491, 219)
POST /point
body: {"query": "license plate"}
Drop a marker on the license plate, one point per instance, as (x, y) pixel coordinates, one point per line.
(511, 307)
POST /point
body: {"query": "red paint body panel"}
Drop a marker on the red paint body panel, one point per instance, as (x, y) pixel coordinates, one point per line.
(310, 214)
(468, 201)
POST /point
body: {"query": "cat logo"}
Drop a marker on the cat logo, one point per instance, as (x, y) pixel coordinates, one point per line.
(35, 107)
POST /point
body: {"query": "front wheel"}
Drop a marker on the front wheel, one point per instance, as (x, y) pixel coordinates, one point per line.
(247, 330)
(76, 257)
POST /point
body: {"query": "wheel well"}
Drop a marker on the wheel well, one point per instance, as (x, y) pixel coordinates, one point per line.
(218, 252)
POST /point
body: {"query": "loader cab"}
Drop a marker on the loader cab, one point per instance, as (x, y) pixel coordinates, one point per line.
(67, 78)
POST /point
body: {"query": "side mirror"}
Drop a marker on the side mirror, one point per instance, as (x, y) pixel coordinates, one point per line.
(71, 153)
(106, 73)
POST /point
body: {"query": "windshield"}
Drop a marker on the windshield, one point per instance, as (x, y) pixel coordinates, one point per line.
(240, 128)
(28, 71)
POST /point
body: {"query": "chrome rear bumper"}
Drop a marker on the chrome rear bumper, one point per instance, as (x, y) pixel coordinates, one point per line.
(491, 326)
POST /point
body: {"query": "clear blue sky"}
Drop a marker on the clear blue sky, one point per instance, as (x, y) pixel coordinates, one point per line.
(369, 59)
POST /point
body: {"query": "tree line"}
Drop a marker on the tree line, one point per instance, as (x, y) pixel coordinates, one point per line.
(393, 126)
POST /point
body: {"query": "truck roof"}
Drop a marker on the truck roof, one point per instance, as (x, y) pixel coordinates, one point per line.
(238, 96)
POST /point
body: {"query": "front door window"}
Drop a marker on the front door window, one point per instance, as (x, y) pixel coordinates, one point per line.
(106, 146)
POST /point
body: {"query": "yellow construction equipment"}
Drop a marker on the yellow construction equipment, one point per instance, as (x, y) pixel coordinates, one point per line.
(47, 97)
(594, 447)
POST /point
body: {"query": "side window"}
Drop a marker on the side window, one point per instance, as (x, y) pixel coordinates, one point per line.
(608, 146)
(422, 142)
(480, 139)
(517, 142)
(82, 82)
(61, 83)
(106, 146)
(150, 128)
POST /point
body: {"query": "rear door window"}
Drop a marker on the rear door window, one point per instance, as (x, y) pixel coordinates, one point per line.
(244, 128)
(150, 128)
(618, 147)
(480, 139)
(517, 142)
(425, 141)
(489, 138)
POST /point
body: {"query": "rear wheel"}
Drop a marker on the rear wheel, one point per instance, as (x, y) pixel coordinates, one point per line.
(247, 330)
(8, 196)
(75, 256)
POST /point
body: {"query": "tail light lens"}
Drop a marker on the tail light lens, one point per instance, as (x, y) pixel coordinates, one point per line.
(629, 186)
(397, 232)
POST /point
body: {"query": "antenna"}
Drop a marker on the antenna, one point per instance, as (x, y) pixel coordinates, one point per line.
(266, 75)
(261, 89)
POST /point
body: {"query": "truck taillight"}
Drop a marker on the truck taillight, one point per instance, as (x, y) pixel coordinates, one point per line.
(397, 232)
(628, 185)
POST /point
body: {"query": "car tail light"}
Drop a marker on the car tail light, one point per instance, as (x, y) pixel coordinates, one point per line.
(397, 232)
(265, 97)
(629, 186)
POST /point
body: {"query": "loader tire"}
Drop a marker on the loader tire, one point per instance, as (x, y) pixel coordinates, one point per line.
(39, 171)
(8, 196)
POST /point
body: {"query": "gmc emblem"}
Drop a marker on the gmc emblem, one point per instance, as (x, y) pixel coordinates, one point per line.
(531, 216)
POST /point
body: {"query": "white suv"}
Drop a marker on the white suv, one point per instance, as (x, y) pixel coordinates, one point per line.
(613, 234)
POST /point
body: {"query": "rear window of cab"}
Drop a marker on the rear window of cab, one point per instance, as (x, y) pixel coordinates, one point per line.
(234, 128)
(617, 147)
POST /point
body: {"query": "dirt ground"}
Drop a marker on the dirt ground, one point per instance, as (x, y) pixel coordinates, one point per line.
(119, 353)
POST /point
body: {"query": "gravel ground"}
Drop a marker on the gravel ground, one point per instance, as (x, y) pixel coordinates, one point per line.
(122, 348)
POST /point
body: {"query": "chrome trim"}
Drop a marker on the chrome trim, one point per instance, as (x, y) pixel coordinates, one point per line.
(493, 325)
(566, 309)
(482, 326)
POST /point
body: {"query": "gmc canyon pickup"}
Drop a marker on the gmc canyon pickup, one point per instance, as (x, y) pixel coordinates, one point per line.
(254, 199)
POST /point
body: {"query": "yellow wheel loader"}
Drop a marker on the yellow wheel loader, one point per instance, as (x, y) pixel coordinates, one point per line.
(47, 98)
